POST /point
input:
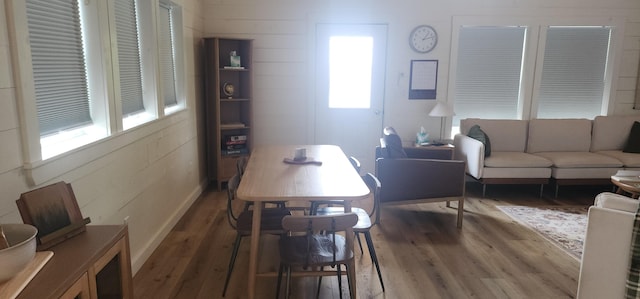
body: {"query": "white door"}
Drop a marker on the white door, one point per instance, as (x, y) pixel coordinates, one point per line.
(350, 70)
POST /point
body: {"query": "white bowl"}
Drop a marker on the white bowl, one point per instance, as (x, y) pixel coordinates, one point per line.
(22, 249)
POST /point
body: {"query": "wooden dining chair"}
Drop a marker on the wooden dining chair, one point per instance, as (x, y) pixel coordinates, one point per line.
(316, 203)
(366, 220)
(313, 249)
(355, 163)
(241, 165)
(271, 222)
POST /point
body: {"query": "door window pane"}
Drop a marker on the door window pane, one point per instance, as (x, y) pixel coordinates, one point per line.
(350, 69)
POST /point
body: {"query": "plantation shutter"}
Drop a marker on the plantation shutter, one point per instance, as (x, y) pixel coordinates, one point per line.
(573, 73)
(488, 72)
(166, 53)
(129, 56)
(59, 71)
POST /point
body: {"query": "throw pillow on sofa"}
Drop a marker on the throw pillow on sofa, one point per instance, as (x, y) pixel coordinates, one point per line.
(476, 133)
(633, 143)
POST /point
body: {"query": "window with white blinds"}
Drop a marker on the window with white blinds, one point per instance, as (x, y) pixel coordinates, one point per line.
(58, 61)
(489, 65)
(167, 54)
(573, 72)
(127, 34)
(89, 57)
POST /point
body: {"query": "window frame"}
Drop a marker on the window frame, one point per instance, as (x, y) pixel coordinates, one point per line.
(108, 109)
(535, 41)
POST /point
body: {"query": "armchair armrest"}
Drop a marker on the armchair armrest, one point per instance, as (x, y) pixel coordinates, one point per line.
(471, 151)
(411, 179)
(616, 202)
(606, 251)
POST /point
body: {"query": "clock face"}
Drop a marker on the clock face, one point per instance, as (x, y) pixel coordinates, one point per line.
(423, 39)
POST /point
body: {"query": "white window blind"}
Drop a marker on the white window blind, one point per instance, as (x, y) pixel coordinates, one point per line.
(488, 72)
(573, 73)
(166, 54)
(128, 56)
(58, 60)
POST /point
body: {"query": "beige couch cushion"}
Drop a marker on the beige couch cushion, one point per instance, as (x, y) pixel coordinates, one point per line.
(515, 160)
(611, 132)
(559, 135)
(627, 159)
(506, 135)
(580, 159)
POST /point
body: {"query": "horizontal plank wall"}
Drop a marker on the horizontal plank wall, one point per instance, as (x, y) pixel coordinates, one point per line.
(151, 180)
(283, 32)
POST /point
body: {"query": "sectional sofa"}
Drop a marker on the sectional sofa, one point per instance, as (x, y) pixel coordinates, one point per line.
(543, 151)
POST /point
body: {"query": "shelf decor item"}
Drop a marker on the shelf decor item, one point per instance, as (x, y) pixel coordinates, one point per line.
(228, 89)
(54, 211)
(235, 59)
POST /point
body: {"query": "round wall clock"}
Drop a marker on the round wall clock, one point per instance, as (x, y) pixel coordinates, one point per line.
(423, 39)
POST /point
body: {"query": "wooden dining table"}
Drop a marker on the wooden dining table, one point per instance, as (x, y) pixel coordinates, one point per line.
(328, 176)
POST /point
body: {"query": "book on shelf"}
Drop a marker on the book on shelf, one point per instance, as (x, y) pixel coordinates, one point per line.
(235, 138)
(234, 146)
(232, 125)
(241, 151)
(234, 142)
(227, 67)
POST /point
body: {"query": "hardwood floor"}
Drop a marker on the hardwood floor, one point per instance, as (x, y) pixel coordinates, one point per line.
(421, 253)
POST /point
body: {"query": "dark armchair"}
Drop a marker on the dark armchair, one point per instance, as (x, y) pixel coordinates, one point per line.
(411, 175)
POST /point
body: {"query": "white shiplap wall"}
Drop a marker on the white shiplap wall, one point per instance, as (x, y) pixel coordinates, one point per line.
(152, 176)
(284, 30)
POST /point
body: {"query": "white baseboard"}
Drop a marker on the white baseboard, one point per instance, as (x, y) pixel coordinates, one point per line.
(138, 260)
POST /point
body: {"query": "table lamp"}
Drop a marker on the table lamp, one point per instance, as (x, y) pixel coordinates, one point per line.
(442, 110)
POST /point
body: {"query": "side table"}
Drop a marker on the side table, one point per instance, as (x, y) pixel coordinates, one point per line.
(440, 152)
(630, 186)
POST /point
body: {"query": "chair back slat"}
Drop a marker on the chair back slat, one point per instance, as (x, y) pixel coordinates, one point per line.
(374, 185)
(296, 223)
(232, 187)
(355, 163)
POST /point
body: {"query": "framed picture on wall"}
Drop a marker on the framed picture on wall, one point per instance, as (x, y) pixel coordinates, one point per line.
(423, 81)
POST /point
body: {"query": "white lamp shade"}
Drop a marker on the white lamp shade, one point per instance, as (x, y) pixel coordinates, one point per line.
(442, 109)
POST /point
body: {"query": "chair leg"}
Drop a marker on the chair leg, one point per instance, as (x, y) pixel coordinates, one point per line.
(460, 212)
(340, 279)
(359, 242)
(232, 262)
(279, 280)
(288, 290)
(319, 283)
(374, 257)
(349, 281)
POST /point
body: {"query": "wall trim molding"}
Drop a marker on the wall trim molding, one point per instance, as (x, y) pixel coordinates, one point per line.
(139, 258)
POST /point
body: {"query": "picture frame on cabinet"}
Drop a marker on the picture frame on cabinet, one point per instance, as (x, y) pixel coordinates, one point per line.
(54, 211)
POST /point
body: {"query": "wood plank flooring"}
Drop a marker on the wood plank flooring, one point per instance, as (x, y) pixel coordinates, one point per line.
(421, 253)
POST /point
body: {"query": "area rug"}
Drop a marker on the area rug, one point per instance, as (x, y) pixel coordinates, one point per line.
(564, 226)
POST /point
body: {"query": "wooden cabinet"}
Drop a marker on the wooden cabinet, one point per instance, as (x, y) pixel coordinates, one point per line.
(228, 101)
(93, 264)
